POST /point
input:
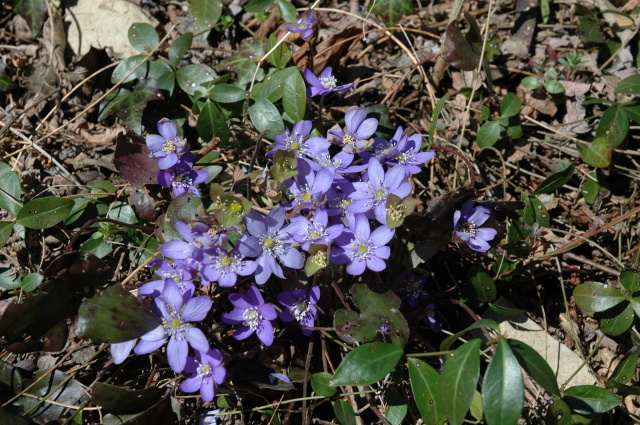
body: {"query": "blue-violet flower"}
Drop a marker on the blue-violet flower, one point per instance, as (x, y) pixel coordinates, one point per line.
(304, 26)
(467, 222)
(166, 146)
(324, 83)
(253, 314)
(207, 371)
(300, 306)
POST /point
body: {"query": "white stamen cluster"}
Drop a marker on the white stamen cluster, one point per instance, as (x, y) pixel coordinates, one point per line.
(272, 245)
(328, 82)
(314, 232)
(360, 249)
(300, 309)
(252, 318)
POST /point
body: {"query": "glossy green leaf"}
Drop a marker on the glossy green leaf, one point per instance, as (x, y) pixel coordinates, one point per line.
(178, 48)
(143, 37)
(43, 213)
(630, 85)
(535, 365)
(396, 407)
(482, 285)
(555, 180)
(595, 186)
(265, 116)
(484, 323)
(367, 364)
(459, 379)
(243, 62)
(123, 212)
(344, 412)
(9, 279)
(489, 134)
(34, 11)
(613, 125)
(10, 191)
(617, 320)
(633, 112)
(257, 6)
(31, 281)
(6, 229)
(558, 413)
(476, 410)
(624, 371)
(206, 14)
(630, 280)
(503, 388)
(531, 83)
(191, 78)
(320, 384)
(272, 86)
(121, 400)
(99, 245)
(596, 296)
(294, 95)
(287, 10)
(113, 315)
(425, 388)
(510, 106)
(589, 399)
(123, 72)
(392, 10)
(598, 153)
(226, 93)
(281, 55)
(213, 123)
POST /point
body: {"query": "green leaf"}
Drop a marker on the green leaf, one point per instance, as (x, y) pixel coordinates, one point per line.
(320, 384)
(436, 115)
(243, 62)
(595, 186)
(633, 112)
(9, 280)
(10, 191)
(589, 399)
(272, 86)
(287, 11)
(489, 134)
(34, 11)
(503, 388)
(226, 93)
(555, 181)
(212, 122)
(514, 131)
(590, 32)
(426, 393)
(281, 55)
(535, 365)
(367, 364)
(630, 280)
(265, 116)
(31, 281)
(630, 85)
(129, 106)
(396, 407)
(596, 296)
(191, 78)
(554, 87)
(459, 379)
(43, 213)
(506, 311)
(617, 320)
(344, 412)
(510, 106)
(257, 6)
(6, 228)
(123, 212)
(613, 125)
(476, 409)
(531, 83)
(155, 69)
(558, 413)
(294, 95)
(178, 48)
(99, 245)
(624, 371)
(113, 315)
(143, 37)
(484, 323)
(483, 286)
(598, 153)
(206, 14)
(392, 10)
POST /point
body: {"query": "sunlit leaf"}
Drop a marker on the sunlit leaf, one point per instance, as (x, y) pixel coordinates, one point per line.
(510, 106)
(265, 116)
(178, 48)
(596, 296)
(459, 379)
(43, 213)
(143, 37)
(503, 388)
(630, 85)
(191, 78)
(535, 365)
(617, 320)
(206, 14)
(294, 95)
(598, 153)
(589, 399)
(392, 10)
(426, 392)
(10, 191)
(367, 364)
(213, 123)
(613, 125)
(489, 134)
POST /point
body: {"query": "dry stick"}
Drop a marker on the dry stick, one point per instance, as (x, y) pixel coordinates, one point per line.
(394, 38)
(112, 89)
(307, 368)
(593, 264)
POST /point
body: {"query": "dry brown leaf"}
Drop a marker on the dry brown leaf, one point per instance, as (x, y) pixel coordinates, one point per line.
(55, 40)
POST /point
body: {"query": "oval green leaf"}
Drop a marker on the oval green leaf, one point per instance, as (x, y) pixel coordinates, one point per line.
(426, 393)
(459, 379)
(488, 134)
(226, 93)
(598, 153)
(265, 116)
(511, 105)
(630, 85)
(503, 388)
(483, 286)
(294, 95)
(344, 413)
(367, 364)
(589, 399)
(535, 365)
(613, 125)
(143, 37)
(630, 280)
(43, 213)
(617, 320)
(624, 371)
(320, 384)
(555, 181)
(212, 122)
(396, 407)
(178, 48)
(6, 229)
(596, 296)
(191, 78)
(206, 13)
(10, 190)
(31, 281)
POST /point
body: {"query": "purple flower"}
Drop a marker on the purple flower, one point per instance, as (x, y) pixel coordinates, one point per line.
(120, 350)
(300, 306)
(430, 314)
(253, 314)
(293, 140)
(270, 243)
(280, 376)
(401, 149)
(224, 267)
(167, 145)
(305, 232)
(373, 194)
(176, 310)
(324, 83)
(362, 249)
(207, 371)
(357, 130)
(180, 274)
(412, 290)
(181, 177)
(467, 222)
(304, 26)
(310, 186)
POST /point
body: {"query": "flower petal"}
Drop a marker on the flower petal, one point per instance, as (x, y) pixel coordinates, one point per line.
(177, 351)
(196, 309)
